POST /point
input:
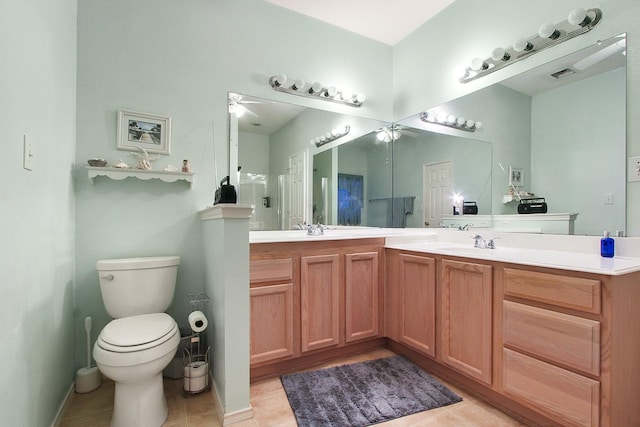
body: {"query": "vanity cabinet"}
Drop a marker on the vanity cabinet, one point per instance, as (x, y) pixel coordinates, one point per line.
(320, 301)
(466, 295)
(272, 309)
(310, 298)
(551, 344)
(414, 287)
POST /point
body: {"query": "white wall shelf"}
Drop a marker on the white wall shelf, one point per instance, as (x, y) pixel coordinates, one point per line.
(145, 175)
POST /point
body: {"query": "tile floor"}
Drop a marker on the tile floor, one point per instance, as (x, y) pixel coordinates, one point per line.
(271, 407)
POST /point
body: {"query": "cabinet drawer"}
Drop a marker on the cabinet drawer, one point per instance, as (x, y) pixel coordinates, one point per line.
(564, 291)
(569, 340)
(271, 270)
(568, 398)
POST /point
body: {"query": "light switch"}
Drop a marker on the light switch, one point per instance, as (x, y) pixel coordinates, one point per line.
(634, 169)
(608, 198)
(27, 155)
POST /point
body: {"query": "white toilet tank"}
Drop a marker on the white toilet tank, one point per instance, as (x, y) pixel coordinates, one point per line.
(132, 286)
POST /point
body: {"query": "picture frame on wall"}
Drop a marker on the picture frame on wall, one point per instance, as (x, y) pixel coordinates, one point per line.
(516, 177)
(143, 130)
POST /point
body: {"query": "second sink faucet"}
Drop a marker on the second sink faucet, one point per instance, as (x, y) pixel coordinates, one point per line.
(481, 243)
(465, 227)
(317, 230)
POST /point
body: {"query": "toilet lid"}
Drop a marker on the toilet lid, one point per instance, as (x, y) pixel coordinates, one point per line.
(135, 331)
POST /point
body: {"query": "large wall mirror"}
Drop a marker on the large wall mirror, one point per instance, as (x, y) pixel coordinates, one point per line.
(557, 132)
(559, 129)
(289, 179)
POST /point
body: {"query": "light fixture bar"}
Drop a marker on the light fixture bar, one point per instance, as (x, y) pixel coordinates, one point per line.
(316, 90)
(450, 121)
(326, 138)
(580, 21)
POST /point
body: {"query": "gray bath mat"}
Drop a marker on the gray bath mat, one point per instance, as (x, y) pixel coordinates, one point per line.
(363, 394)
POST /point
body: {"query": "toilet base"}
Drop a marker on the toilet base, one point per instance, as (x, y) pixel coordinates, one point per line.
(140, 403)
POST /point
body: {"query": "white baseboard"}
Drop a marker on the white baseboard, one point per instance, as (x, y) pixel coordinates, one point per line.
(230, 418)
(63, 406)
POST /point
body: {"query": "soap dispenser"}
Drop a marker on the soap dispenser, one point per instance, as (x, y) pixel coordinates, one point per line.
(607, 246)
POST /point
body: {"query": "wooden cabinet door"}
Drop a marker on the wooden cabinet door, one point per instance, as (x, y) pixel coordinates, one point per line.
(319, 301)
(271, 322)
(417, 302)
(361, 296)
(466, 299)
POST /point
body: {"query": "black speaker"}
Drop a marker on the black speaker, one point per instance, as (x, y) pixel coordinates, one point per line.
(226, 193)
(532, 206)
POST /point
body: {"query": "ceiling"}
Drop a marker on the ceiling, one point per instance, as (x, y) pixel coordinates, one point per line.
(370, 18)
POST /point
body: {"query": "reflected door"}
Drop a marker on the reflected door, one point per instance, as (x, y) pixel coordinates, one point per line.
(298, 169)
(436, 191)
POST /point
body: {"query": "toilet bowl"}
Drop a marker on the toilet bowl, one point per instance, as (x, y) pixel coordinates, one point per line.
(133, 351)
(141, 341)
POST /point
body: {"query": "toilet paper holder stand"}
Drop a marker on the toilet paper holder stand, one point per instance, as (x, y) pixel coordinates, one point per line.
(195, 357)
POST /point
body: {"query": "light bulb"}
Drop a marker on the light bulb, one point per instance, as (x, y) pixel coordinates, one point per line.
(478, 64)
(298, 84)
(327, 135)
(315, 88)
(280, 80)
(548, 31)
(380, 135)
(579, 17)
(521, 45)
(346, 95)
(451, 119)
(441, 117)
(330, 92)
(478, 125)
(360, 98)
(470, 124)
(461, 121)
(431, 116)
(396, 134)
(499, 54)
(323, 138)
(317, 139)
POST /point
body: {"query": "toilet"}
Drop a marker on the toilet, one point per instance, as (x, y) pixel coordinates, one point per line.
(139, 343)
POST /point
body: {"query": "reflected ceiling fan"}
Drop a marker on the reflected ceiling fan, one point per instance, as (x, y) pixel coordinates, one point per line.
(237, 105)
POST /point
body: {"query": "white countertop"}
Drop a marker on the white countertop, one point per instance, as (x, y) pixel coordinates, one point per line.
(574, 261)
(574, 253)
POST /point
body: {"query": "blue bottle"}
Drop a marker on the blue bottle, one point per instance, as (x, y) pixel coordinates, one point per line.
(607, 246)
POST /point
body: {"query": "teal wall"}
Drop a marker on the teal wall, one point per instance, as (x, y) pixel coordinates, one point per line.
(37, 97)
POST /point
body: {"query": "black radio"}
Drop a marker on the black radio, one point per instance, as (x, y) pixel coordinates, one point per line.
(532, 206)
(469, 208)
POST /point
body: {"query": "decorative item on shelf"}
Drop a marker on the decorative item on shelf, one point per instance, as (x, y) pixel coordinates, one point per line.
(335, 133)
(143, 131)
(97, 163)
(578, 22)
(121, 165)
(449, 120)
(316, 90)
(186, 166)
(144, 160)
(170, 168)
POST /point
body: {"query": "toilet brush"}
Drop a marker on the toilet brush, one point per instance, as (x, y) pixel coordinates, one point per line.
(88, 378)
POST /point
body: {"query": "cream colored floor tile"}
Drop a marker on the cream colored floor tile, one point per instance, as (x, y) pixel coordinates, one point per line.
(203, 420)
(273, 412)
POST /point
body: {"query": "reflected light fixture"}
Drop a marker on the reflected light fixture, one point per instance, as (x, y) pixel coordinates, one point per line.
(327, 137)
(578, 22)
(280, 83)
(388, 134)
(449, 120)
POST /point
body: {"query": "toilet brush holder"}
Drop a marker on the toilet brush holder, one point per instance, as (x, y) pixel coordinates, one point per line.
(88, 379)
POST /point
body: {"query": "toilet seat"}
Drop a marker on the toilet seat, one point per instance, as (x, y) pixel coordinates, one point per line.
(137, 339)
(137, 333)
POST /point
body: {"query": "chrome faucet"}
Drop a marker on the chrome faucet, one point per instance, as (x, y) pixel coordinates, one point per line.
(318, 230)
(465, 227)
(481, 243)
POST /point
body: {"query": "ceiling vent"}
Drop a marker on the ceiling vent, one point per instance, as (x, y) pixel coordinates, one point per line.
(563, 73)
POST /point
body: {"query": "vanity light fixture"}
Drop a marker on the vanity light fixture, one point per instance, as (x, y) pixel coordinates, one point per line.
(449, 120)
(280, 83)
(578, 22)
(335, 133)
